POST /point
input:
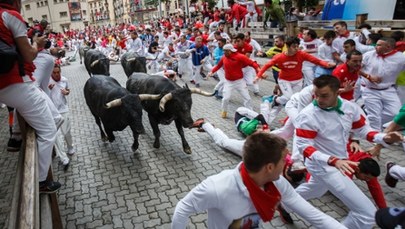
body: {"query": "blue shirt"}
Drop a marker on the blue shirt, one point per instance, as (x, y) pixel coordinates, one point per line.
(199, 54)
(218, 53)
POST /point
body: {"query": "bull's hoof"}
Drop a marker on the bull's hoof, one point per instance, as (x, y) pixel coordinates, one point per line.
(104, 138)
(134, 147)
(187, 150)
(156, 145)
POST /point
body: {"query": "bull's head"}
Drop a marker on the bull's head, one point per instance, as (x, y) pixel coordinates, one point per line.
(101, 66)
(181, 105)
(138, 64)
(131, 104)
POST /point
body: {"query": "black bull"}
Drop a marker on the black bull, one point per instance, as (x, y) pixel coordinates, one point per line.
(115, 106)
(96, 63)
(132, 62)
(174, 105)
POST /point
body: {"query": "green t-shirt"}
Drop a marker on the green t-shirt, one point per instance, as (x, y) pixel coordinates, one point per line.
(400, 117)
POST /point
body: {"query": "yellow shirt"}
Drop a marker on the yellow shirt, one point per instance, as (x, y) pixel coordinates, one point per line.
(400, 79)
(276, 50)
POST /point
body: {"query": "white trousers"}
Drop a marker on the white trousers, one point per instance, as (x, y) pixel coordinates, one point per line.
(249, 75)
(252, 18)
(222, 140)
(239, 86)
(206, 68)
(362, 210)
(185, 68)
(381, 106)
(398, 172)
(64, 131)
(288, 88)
(29, 101)
(309, 75)
(220, 85)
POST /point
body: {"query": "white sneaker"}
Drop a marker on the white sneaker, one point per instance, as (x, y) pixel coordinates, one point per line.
(71, 151)
(2, 105)
(65, 161)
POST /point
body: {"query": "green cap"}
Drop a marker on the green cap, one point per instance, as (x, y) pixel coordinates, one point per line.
(249, 127)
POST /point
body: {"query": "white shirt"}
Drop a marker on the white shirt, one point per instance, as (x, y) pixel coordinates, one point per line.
(325, 52)
(56, 95)
(136, 46)
(321, 134)
(387, 68)
(313, 46)
(44, 64)
(226, 199)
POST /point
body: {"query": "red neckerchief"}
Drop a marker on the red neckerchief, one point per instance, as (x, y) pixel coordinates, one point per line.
(265, 201)
(387, 54)
(310, 40)
(347, 34)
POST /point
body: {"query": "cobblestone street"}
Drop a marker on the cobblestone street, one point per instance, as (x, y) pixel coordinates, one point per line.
(109, 186)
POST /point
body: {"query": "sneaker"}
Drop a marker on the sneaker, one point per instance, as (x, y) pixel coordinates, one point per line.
(192, 81)
(223, 114)
(268, 98)
(71, 151)
(65, 161)
(219, 97)
(197, 85)
(389, 180)
(203, 75)
(256, 93)
(284, 215)
(47, 187)
(198, 123)
(14, 145)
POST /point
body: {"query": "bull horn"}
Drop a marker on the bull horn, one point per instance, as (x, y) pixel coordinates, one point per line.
(201, 92)
(131, 59)
(164, 100)
(143, 97)
(114, 103)
(94, 63)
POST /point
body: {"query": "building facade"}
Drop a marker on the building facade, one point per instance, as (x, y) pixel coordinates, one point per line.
(61, 14)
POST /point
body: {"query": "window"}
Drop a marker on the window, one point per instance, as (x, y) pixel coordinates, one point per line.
(38, 5)
(28, 7)
(63, 14)
(45, 17)
(30, 20)
(46, 3)
(55, 1)
(84, 12)
(42, 3)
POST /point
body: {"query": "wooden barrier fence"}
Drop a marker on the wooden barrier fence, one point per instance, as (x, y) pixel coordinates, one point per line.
(29, 208)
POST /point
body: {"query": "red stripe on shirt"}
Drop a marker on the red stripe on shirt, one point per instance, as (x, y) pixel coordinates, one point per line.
(359, 123)
(306, 133)
(370, 135)
(309, 151)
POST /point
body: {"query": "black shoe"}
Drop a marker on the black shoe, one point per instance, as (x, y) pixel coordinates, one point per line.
(392, 182)
(14, 145)
(47, 187)
(284, 215)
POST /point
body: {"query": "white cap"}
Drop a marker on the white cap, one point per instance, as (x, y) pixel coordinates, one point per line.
(229, 47)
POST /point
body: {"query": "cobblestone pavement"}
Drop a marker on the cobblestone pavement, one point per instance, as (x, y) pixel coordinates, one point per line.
(109, 186)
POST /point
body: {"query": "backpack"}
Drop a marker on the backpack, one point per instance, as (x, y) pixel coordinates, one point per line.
(8, 56)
